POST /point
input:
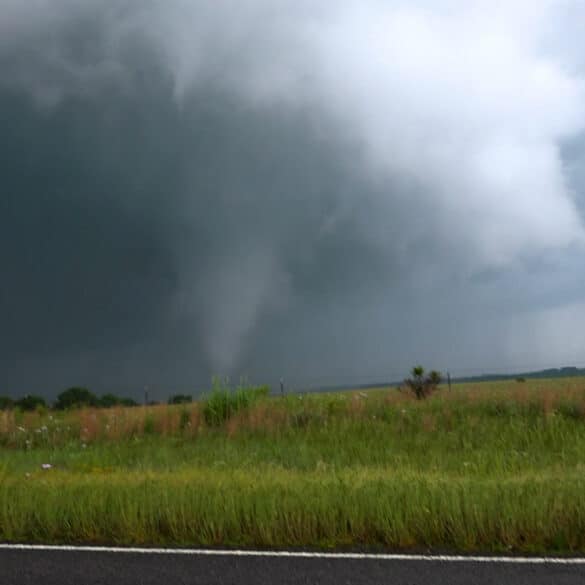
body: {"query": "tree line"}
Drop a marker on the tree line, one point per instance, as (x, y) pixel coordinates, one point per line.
(74, 397)
(78, 397)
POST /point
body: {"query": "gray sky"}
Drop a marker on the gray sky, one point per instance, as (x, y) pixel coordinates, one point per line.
(329, 191)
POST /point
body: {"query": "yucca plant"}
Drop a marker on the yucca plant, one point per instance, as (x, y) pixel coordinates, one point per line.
(420, 385)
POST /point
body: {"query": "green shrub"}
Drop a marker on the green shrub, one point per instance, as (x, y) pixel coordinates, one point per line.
(420, 385)
(224, 402)
(110, 400)
(30, 402)
(75, 398)
(180, 399)
(6, 403)
(128, 402)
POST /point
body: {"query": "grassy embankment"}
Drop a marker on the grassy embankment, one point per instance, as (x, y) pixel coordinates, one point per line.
(489, 467)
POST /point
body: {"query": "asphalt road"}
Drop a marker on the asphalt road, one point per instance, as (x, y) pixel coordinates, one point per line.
(34, 567)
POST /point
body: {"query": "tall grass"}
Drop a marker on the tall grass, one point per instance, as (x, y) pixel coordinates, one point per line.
(223, 402)
(283, 508)
(482, 467)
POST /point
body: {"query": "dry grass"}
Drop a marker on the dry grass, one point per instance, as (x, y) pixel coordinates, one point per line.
(275, 415)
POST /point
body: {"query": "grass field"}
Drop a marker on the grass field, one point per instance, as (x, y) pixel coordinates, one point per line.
(483, 467)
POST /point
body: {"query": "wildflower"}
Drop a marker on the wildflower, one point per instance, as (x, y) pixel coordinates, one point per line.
(22, 429)
(44, 429)
(46, 466)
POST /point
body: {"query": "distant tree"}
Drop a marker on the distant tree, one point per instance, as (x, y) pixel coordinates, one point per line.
(180, 399)
(30, 402)
(128, 402)
(110, 400)
(6, 403)
(420, 385)
(75, 398)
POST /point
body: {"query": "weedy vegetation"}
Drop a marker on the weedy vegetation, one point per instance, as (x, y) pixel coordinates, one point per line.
(420, 385)
(493, 467)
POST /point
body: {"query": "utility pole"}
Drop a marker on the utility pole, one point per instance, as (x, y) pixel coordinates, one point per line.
(449, 380)
(146, 396)
(282, 386)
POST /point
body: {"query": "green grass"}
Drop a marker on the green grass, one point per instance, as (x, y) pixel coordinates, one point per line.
(490, 467)
(223, 402)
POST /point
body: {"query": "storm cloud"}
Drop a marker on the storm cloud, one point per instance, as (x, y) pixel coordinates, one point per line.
(325, 191)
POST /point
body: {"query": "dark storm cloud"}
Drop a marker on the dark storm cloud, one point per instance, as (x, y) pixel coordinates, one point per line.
(113, 234)
(192, 188)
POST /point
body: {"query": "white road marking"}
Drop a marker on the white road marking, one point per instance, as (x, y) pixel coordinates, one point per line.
(299, 554)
